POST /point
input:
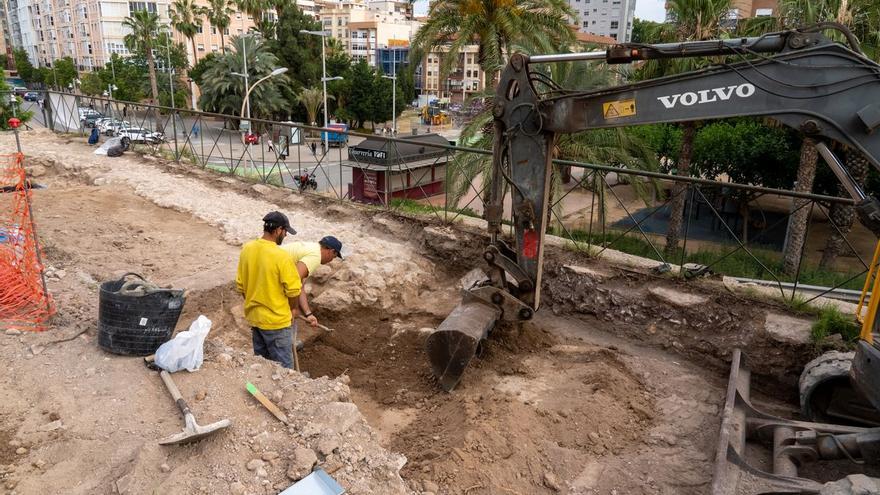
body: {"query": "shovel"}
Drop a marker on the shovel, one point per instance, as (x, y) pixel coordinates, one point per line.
(192, 432)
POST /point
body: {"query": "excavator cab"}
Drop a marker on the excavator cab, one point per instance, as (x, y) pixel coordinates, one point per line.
(802, 79)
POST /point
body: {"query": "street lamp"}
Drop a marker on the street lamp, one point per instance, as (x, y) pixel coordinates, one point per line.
(393, 103)
(393, 78)
(324, 79)
(247, 95)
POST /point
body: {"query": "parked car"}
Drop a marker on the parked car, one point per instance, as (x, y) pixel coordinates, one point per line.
(140, 135)
(111, 126)
(31, 96)
(100, 122)
(88, 120)
(19, 90)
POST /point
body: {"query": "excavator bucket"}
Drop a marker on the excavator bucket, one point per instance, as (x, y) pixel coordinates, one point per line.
(454, 343)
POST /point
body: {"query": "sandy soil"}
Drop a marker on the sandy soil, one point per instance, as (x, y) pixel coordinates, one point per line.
(605, 392)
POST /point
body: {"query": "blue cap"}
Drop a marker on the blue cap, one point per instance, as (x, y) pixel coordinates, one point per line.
(333, 243)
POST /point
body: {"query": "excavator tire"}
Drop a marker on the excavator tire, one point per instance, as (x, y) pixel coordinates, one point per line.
(827, 395)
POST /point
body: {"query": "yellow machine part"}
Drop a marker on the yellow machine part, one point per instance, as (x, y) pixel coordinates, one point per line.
(872, 282)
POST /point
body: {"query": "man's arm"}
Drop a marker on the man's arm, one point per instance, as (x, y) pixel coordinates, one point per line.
(239, 278)
(303, 300)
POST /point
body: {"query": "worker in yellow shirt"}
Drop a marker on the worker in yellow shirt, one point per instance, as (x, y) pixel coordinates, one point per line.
(270, 284)
(307, 256)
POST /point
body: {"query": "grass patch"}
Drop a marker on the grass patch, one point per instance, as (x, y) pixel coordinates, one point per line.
(728, 261)
(414, 207)
(832, 321)
(274, 178)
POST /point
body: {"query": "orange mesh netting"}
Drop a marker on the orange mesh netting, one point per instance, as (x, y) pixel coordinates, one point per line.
(25, 303)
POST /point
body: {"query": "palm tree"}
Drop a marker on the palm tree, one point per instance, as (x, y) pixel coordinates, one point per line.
(144, 25)
(493, 25)
(223, 94)
(312, 99)
(860, 16)
(693, 20)
(186, 17)
(219, 15)
(253, 8)
(843, 215)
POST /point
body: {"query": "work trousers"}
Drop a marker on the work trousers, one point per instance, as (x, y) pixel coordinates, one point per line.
(275, 345)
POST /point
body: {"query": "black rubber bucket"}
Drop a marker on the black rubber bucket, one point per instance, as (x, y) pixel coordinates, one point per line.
(136, 325)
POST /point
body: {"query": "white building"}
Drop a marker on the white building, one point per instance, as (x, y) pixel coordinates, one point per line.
(88, 31)
(611, 18)
(363, 27)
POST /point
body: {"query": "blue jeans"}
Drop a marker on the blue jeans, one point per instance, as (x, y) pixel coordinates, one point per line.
(275, 345)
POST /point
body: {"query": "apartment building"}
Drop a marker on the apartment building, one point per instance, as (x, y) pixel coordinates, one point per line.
(607, 18)
(209, 39)
(5, 35)
(88, 31)
(465, 79)
(365, 27)
(742, 9)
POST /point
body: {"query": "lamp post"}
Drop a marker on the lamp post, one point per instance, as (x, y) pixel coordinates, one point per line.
(393, 78)
(393, 103)
(170, 68)
(324, 79)
(247, 95)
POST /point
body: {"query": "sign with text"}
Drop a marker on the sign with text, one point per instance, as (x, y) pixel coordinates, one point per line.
(370, 184)
(365, 153)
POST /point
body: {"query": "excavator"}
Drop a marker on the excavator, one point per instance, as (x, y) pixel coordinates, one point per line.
(828, 90)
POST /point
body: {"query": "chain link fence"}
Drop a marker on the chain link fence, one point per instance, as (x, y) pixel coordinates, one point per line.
(732, 229)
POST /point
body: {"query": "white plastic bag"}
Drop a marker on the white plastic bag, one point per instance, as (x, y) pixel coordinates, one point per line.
(186, 349)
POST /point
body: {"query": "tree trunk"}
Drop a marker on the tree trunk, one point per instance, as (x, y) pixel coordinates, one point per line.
(151, 67)
(222, 41)
(195, 53)
(843, 215)
(797, 226)
(683, 168)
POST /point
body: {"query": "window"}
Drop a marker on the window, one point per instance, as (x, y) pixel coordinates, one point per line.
(763, 12)
(586, 23)
(201, 47)
(213, 30)
(199, 29)
(594, 23)
(613, 25)
(213, 48)
(138, 6)
(614, 35)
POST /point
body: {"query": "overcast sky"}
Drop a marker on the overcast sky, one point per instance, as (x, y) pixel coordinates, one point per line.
(649, 10)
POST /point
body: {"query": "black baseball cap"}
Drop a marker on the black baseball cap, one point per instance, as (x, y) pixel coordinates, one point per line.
(333, 243)
(279, 219)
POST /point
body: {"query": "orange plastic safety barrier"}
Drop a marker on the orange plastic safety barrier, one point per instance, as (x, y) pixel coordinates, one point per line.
(25, 303)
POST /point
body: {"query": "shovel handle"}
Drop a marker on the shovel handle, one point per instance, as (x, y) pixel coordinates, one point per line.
(175, 393)
(322, 327)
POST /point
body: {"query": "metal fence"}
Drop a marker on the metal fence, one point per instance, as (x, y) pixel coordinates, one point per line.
(728, 228)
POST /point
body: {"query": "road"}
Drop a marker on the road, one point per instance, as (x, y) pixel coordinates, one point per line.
(222, 149)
